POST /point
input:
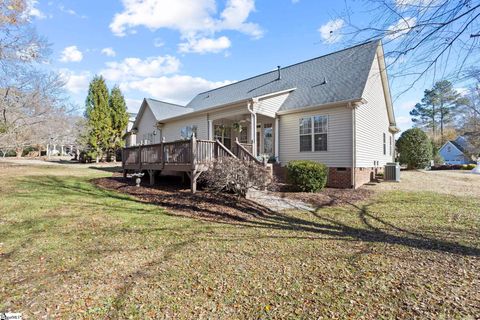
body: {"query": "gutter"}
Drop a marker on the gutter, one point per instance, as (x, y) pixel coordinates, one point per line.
(354, 145)
(253, 134)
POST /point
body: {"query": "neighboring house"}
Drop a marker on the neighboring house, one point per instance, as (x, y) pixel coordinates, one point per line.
(456, 151)
(335, 109)
(130, 137)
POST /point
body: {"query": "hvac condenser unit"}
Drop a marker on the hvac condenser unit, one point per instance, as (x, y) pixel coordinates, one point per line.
(392, 172)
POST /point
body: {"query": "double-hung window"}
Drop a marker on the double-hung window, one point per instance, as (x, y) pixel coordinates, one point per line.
(313, 133)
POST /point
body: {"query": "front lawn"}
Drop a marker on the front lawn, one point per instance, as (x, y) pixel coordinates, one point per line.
(69, 249)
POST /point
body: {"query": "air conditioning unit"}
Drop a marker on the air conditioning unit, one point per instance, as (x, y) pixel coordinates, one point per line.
(392, 172)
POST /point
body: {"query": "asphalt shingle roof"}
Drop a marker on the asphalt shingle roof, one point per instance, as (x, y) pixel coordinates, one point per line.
(163, 110)
(334, 77)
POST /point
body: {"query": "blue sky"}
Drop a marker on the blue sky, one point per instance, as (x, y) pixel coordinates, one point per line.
(171, 50)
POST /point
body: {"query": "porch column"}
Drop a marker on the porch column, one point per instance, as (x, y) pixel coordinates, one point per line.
(210, 129)
(253, 133)
(277, 138)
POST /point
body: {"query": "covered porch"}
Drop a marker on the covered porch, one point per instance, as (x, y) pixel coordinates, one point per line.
(255, 132)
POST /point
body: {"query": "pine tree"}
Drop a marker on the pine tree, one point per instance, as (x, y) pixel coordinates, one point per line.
(119, 116)
(447, 102)
(98, 116)
(424, 114)
(437, 107)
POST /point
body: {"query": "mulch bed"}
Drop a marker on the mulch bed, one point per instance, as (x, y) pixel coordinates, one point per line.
(175, 197)
(329, 196)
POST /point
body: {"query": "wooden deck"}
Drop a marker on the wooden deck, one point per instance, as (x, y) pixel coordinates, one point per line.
(190, 156)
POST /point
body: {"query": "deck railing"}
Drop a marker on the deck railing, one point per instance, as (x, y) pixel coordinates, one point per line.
(242, 152)
(181, 153)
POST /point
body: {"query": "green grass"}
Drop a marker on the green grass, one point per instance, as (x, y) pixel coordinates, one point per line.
(71, 250)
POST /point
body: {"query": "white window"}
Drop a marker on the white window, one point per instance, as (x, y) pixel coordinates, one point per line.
(186, 132)
(313, 132)
(384, 144)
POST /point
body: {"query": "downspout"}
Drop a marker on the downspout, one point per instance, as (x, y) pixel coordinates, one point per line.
(253, 134)
(354, 144)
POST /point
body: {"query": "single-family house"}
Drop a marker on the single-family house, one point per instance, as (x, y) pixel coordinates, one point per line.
(335, 109)
(456, 151)
(129, 136)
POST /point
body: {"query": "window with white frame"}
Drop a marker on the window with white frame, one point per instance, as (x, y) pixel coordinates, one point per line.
(186, 132)
(384, 144)
(313, 132)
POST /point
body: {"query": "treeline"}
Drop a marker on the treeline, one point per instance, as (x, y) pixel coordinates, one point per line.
(34, 109)
(444, 113)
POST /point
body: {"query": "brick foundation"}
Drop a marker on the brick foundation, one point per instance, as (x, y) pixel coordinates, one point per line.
(338, 177)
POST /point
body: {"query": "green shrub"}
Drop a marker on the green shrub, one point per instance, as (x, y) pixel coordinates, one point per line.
(470, 166)
(309, 176)
(415, 148)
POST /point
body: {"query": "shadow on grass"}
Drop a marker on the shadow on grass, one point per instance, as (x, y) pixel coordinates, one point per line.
(250, 214)
(232, 210)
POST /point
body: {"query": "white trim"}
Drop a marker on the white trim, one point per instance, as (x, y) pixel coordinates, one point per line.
(449, 142)
(353, 102)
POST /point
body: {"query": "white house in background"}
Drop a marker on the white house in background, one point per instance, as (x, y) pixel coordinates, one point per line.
(129, 136)
(455, 151)
(335, 109)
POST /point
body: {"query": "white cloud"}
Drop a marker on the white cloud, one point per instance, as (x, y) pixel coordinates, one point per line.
(178, 88)
(417, 3)
(158, 43)
(133, 105)
(71, 54)
(109, 52)
(32, 11)
(330, 31)
(194, 19)
(135, 68)
(70, 11)
(400, 28)
(205, 45)
(76, 82)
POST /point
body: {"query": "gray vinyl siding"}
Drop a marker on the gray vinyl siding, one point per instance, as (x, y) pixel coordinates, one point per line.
(372, 122)
(339, 140)
(270, 106)
(171, 130)
(146, 125)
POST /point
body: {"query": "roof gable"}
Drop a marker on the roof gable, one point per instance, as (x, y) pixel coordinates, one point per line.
(160, 109)
(454, 145)
(335, 77)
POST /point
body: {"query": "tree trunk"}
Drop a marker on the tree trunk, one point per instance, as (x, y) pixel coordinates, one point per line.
(18, 152)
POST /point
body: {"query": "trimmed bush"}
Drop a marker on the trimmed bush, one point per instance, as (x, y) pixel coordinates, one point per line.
(470, 166)
(415, 149)
(309, 176)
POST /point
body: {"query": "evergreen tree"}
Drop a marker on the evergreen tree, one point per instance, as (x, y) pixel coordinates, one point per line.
(447, 102)
(119, 116)
(99, 121)
(436, 107)
(424, 114)
(414, 148)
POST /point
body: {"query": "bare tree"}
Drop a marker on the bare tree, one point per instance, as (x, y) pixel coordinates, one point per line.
(438, 37)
